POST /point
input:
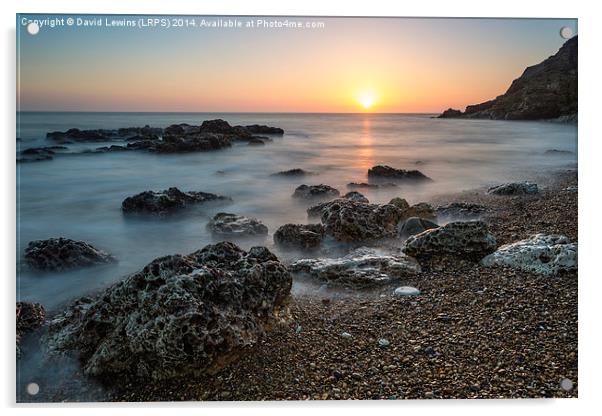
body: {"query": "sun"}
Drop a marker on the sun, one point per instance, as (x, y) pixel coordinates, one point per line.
(366, 99)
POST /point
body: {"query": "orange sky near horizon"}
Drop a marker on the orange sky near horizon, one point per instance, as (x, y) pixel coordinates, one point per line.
(351, 65)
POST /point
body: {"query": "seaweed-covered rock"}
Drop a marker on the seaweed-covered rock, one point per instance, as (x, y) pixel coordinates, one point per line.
(299, 236)
(310, 192)
(178, 316)
(415, 225)
(540, 253)
(62, 254)
(362, 267)
(356, 196)
(461, 210)
(166, 202)
(348, 220)
(380, 172)
(514, 188)
(232, 225)
(470, 239)
(30, 316)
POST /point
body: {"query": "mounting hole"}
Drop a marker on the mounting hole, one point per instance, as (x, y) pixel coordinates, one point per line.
(33, 28)
(33, 389)
(566, 32)
(566, 384)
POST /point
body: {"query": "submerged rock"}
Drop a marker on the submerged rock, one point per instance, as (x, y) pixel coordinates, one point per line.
(256, 141)
(514, 188)
(362, 267)
(30, 316)
(299, 236)
(166, 202)
(461, 210)
(541, 253)
(179, 316)
(57, 254)
(387, 172)
(293, 173)
(356, 196)
(348, 220)
(469, 239)
(261, 129)
(310, 192)
(415, 225)
(232, 225)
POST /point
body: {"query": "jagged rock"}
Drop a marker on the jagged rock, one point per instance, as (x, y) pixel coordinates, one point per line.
(461, 210)
(232, 225)
(62, 254)
(260, 129)
(310, 192)
(400, 203)
(200, 142)
(179, 316)
(414, 225)
(514, 188)
(470, 239)
(315, 211)
(299, 236)
(362, 267)
(30, 316)
(451, 113)
(356, 196)
(421, 210)
(292, 172)
(540, 253)
(347, 220)
(166, 202)
(356, 185)
(387, 172)
(547, 90)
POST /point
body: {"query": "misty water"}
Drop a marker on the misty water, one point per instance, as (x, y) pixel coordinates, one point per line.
(79, 195)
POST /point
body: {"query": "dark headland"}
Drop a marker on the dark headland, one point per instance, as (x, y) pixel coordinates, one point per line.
(544, 91)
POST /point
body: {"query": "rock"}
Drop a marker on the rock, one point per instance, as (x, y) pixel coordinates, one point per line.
(260, 129)
(310, 192)
(362, 267)
(541, 253)
(346, 335)
(400, 203)
(414, 225)
(469, 239)
(406, 291)
(450, 113)
(514, 188)
(112, 148)
(180, 316)
(461, 210)
(348, 221)
(46, 150)
(30, 316)
(104, 135)
(166, 202)
(57, 254)
(555, 152)
(299, 236)
(293, 173)
(232, 225)
(34, 158)
(383, 343)
(547, 90)
(315, 211)
(421, 210)
(200, 142)
(355, 185)
(356, 196)
(387, 172)
(255, 141)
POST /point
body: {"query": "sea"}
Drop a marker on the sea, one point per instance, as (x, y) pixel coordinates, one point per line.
(78, 194)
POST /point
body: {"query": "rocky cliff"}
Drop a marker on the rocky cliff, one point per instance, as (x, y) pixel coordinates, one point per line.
(547, 90)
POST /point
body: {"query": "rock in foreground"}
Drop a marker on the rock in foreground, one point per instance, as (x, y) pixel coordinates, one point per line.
(362, 267)
(30, 316)
(166, 202)
(541, 253)
(57, 254)
(415, 225)
(299, 236)
(514, 188)
(470, 240)
(179, 316)
(232, 225)
(387, 172)
(461, 210)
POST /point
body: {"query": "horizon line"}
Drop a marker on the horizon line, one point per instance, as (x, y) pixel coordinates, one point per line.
(227, 112)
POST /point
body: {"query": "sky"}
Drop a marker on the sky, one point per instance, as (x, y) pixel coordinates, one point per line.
(405, 65)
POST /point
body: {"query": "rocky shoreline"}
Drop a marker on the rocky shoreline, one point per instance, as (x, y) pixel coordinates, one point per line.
(473, 331)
